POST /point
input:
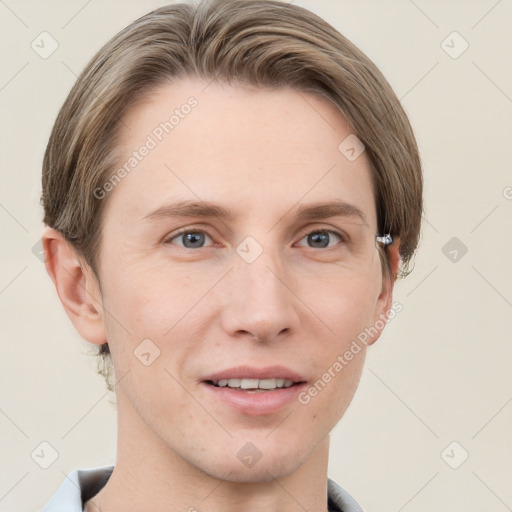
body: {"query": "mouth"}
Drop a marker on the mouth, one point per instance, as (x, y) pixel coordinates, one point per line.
(254, 391)
(254, 385)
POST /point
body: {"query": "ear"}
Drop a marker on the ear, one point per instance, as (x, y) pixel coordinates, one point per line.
(385, 300)
(76, 285)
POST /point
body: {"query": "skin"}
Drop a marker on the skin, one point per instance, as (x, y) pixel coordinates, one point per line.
(260, 153)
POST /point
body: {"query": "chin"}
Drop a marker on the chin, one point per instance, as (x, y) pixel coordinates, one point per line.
(251, 462)
(262, 471)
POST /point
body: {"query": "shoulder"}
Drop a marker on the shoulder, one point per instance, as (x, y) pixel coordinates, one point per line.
(78, 486)
(340, 500)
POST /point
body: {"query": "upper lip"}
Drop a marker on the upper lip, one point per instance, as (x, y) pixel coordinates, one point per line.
(250, 372)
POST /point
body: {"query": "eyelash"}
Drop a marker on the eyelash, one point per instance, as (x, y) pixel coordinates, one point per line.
(342, 237)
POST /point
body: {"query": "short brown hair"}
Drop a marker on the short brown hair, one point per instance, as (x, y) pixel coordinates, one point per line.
(267, 43)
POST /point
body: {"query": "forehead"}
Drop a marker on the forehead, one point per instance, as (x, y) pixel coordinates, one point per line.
(238, 145)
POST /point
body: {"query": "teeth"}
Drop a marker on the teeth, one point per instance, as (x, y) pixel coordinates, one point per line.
(267, 384)
(249, 383)
(254, 383)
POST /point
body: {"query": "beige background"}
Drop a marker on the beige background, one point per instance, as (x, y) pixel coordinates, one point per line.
(442, 370)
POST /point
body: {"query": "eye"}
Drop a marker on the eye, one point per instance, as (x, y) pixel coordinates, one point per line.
(321, 238)
(195, 239)
(191, 239)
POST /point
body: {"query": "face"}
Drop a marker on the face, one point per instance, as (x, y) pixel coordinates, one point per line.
(255, 282)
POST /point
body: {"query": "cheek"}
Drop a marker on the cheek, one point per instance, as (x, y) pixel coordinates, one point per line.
(347, 304)
(133, 315)
(147, 310)
(148, 300)
(347, 307)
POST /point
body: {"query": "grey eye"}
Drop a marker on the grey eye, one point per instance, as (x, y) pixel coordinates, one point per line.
(320, 239)
(191, 239)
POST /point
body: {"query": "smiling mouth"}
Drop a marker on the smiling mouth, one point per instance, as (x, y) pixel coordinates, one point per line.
(253, 385)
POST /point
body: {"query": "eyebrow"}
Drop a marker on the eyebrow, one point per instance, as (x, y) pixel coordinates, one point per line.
(206, 209)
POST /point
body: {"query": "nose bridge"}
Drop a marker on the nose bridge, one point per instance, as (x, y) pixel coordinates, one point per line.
(260, 300)
(261, 278)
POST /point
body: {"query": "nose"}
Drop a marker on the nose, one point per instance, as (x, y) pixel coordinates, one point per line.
(259, 300)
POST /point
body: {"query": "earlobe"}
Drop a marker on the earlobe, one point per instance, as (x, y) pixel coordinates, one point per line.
(385, 299)
(76, 285)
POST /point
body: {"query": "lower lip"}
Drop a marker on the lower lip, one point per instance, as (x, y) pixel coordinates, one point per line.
(259, 402)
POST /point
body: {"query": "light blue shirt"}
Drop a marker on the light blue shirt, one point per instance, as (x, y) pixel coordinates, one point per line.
(82, 484)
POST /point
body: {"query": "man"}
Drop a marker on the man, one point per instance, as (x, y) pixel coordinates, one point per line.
(229, 191)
